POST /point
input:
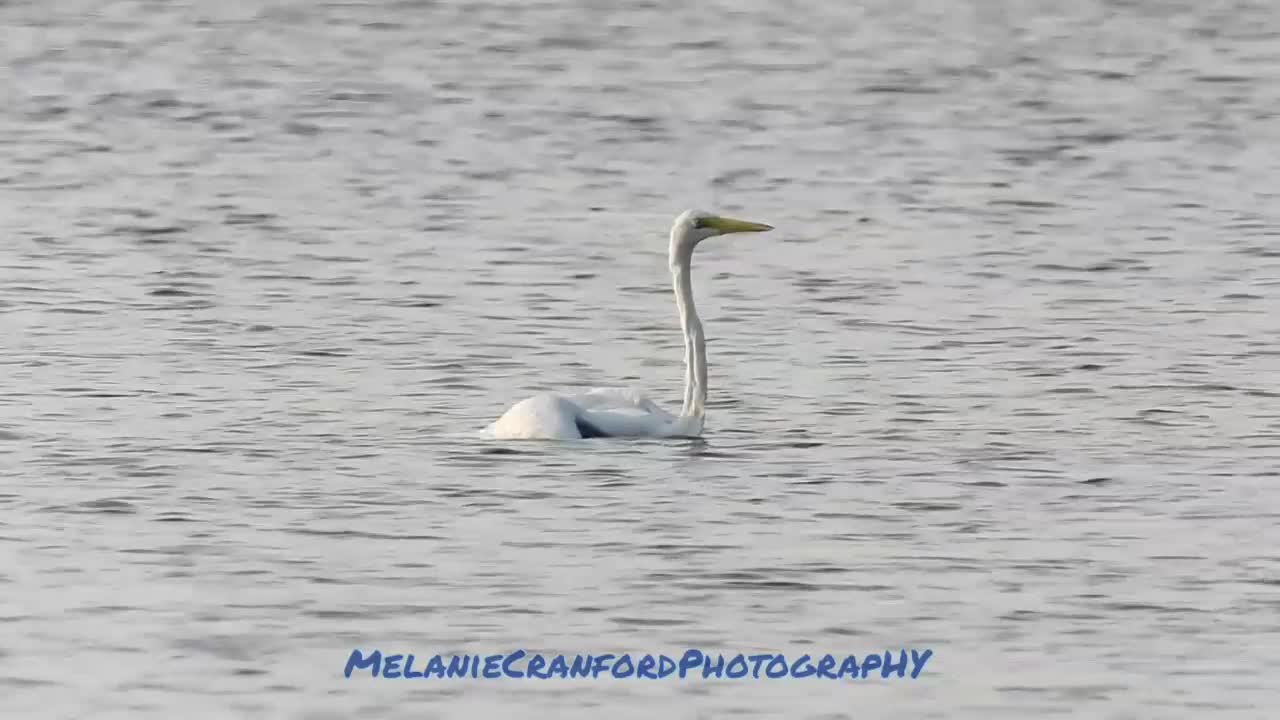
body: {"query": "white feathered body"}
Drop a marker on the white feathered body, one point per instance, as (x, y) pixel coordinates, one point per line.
(607, 412)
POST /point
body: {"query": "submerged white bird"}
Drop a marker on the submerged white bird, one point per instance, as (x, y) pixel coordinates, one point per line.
(627, 413)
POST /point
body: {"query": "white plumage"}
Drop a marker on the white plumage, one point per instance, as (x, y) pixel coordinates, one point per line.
(610, 412)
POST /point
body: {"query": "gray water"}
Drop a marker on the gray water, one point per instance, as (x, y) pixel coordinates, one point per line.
(1002, 384)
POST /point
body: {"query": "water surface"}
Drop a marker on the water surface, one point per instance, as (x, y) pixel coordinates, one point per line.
(1003, 383)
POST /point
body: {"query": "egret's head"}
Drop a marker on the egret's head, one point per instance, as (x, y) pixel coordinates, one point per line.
(693, 226)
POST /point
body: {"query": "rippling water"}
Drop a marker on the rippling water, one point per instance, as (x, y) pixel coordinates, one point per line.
(1003, 383)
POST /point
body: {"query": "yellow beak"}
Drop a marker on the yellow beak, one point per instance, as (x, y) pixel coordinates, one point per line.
(730, 225)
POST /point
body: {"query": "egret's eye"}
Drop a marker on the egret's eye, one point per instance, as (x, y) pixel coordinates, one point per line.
(700, 222)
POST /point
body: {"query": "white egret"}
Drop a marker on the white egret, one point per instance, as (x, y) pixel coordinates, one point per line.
(627, 413)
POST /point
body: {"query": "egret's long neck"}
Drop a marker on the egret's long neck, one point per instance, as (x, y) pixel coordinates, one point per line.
(695, 346)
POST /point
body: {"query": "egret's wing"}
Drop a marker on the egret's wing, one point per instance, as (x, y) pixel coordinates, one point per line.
(622, 412)
(626, 422)
(596, 413)
(619, 399)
